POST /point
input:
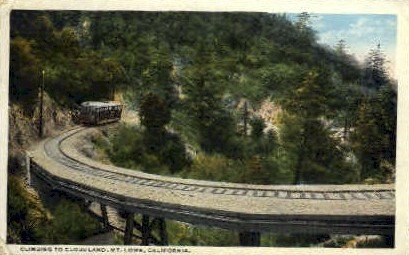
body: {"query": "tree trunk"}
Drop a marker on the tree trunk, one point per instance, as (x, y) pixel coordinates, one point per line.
(104, 214)
(245, 117)
(345, 128)
(300, 160)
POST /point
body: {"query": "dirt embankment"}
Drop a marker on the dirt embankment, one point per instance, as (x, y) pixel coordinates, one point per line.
(23, 133)
(24, 129)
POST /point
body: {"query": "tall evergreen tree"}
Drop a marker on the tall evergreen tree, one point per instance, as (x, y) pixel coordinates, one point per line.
(375, 135)
(204, 86)
(375, 74)
(374, 139)
(315, 153)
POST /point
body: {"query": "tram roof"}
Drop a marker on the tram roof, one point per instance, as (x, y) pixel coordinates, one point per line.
(100, 104)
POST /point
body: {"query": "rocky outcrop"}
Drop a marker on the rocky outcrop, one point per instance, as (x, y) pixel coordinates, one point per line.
(23, 129)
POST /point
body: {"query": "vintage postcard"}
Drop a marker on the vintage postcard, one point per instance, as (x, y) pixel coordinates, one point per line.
(182, 127)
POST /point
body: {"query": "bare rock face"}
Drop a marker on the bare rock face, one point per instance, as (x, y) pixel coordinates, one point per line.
(350, 241)
(22, 132)
(55, 118)
(365, 241)
(24, 128)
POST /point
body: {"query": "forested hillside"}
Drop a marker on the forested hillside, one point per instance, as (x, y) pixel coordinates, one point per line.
(202, 84)
(194, 69)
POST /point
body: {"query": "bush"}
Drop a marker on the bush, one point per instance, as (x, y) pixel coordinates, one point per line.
(64, 227)
(131, 147)
(257, 127)
(173, 153)
(154, 111)
(186, 234)
(29, 222)
(214, 167)
(25, 214)
(127, 149)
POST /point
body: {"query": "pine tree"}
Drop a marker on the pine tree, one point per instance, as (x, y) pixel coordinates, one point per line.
(375, 75)
(316, 154)
(341, 47)
(304, 20)
(157, 75)
(203, 84)
(374, 139)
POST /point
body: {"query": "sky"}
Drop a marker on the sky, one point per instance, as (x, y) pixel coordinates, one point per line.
(361, 32)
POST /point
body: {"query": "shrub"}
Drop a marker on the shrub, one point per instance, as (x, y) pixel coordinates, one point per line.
(64, 227)
(30, 223)
(257, 127)
(213, 167)
(25, 214)
(173, 153)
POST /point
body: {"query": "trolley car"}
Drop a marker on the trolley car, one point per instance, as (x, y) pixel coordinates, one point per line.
(95, 113)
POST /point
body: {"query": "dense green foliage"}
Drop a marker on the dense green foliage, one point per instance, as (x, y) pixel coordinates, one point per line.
(188, 73)
(29, 222)
(189, 235)
(39, 45)
(24, 215)
(199, 82)
(377, 118)
(129, 147)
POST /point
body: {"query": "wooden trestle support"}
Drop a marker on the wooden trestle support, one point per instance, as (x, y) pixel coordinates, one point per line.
(248, 238)
(104, 215)
(147, 225)
(146, 228)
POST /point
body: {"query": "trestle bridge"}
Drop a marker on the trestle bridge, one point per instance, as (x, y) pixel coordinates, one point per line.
(247, 209)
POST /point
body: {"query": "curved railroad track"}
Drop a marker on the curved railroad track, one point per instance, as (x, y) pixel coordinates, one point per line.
(358, 209)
